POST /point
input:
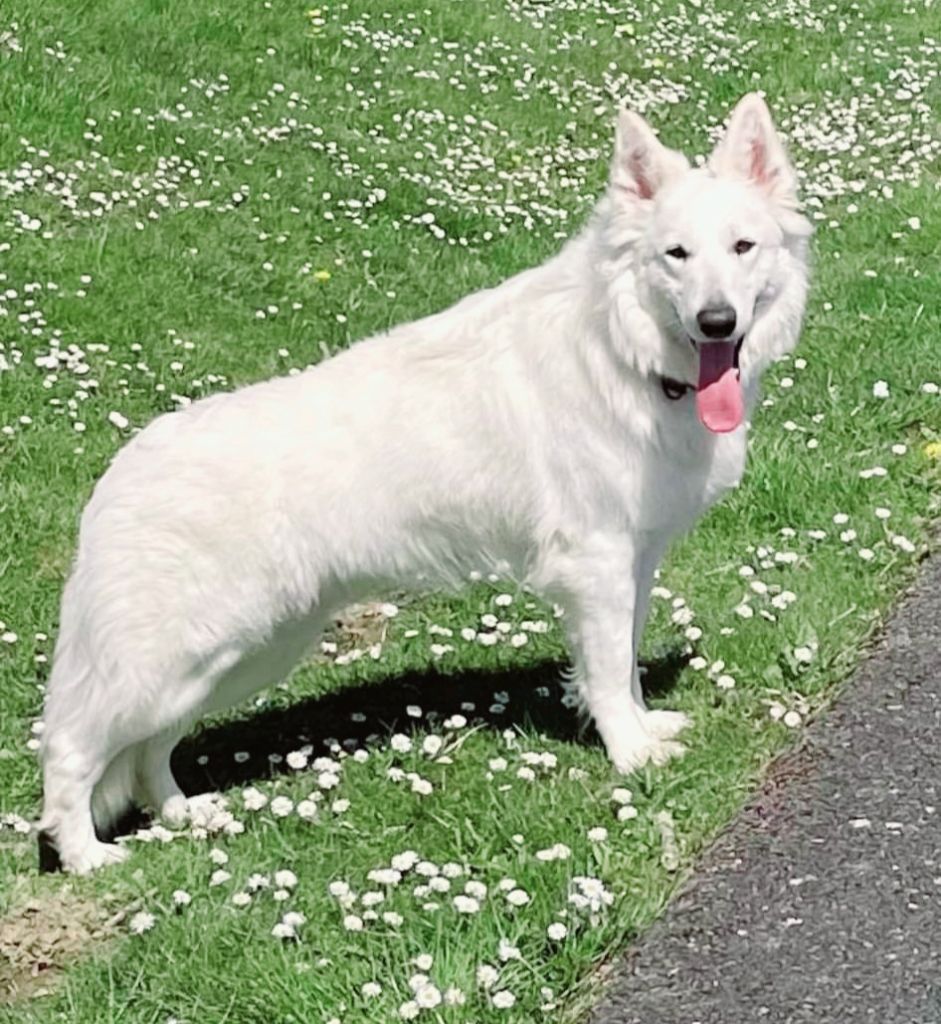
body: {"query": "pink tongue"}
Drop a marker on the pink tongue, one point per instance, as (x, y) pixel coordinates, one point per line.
(719, 394)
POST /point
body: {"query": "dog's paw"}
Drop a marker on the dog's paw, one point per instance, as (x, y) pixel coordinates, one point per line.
(175, 810)
(652, 751)
(665, 725)
(92, 857)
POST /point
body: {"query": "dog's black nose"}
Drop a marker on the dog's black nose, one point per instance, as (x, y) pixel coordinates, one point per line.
(718, 322)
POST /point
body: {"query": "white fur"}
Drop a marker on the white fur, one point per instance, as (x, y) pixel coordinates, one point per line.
(526, 426)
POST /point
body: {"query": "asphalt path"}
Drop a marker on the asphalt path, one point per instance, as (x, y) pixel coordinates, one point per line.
(822, 902)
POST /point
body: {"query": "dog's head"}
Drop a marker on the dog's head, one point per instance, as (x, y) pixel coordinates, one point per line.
(717, 254)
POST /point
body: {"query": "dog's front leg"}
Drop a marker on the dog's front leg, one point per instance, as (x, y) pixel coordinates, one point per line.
(605, 597)
(664, 725)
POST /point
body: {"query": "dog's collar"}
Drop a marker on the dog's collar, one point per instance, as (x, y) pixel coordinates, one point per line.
(675, 389)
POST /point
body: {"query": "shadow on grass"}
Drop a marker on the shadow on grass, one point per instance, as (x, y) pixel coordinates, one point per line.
(252, 748)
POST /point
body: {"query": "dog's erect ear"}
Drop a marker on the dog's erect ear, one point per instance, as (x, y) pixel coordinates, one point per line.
(642, 164)
(751, 150)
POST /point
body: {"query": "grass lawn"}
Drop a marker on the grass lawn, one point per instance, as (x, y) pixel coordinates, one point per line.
(198, 195)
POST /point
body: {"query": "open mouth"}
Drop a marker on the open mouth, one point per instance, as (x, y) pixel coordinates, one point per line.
(719, 401)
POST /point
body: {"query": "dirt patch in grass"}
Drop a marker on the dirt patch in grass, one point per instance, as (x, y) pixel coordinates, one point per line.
(42, 935)
(359, 626)
(53, 561)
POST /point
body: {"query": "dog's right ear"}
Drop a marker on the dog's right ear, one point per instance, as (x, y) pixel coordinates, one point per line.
(642, 164)
(752, 151)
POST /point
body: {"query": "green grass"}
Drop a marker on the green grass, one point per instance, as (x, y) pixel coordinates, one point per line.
(373, 110)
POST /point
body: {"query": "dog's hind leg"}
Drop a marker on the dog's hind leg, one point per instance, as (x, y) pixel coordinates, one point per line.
(230, 680)
(73, 765)
(79, 758)
(113, 794)
(156, 786)
(103, 738)
(107, 742)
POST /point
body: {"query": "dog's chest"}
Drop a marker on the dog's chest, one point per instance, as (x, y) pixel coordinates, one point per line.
(691, 472)
(667, 483)
(654, 468)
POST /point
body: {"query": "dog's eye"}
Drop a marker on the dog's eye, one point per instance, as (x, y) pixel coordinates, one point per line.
(742, 246)
(678, 252)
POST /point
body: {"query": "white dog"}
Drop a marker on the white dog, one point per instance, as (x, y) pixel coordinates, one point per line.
(567, 423)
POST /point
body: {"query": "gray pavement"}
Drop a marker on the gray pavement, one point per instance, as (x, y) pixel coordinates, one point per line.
(822, 902)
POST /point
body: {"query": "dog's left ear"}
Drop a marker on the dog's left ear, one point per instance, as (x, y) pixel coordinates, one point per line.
(642, 164)
(752, 150)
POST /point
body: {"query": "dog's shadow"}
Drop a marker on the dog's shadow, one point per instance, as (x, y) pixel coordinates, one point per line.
(247, 749)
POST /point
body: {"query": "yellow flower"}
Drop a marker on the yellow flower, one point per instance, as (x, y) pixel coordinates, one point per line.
(321, 275)
(933, 449)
